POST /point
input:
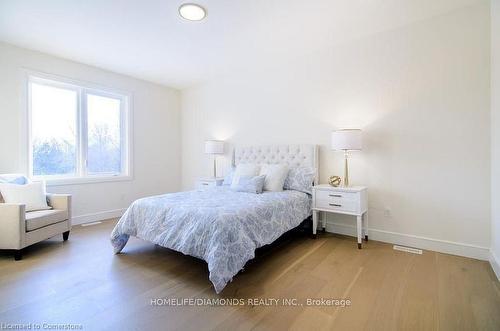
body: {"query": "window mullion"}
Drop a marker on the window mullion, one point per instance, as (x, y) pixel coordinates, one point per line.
(123, 137)
(83, 133)
(30, 132)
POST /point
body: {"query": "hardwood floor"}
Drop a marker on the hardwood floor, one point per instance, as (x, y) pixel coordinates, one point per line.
(81, 282)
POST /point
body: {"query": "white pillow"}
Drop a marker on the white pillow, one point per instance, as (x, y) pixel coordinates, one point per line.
(32, 195)
(275, 176)
(244, 170)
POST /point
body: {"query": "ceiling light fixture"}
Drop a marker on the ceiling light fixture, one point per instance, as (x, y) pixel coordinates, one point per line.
(192, 12)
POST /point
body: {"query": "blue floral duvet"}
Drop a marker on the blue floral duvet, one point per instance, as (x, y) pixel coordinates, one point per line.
(217, 225)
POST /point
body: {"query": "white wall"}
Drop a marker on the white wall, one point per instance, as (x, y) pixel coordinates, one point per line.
(156, 136)
(421, 95)
(495, 136)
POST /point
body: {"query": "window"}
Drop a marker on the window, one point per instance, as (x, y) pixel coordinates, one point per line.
(53, 130)
(76, 132)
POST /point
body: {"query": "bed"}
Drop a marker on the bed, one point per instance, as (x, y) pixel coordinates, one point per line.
(218, 225)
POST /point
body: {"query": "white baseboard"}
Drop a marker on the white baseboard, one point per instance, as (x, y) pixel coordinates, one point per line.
(87, 218)
(495, 264)
(442, 246)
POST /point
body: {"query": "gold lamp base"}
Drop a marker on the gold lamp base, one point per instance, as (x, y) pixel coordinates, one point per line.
(346, 169)
(215, 166)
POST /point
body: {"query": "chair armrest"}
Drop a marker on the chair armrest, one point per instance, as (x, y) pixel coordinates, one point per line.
(12, 225)
(59, 201)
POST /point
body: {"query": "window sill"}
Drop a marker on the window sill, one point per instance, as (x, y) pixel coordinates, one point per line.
(82, 180)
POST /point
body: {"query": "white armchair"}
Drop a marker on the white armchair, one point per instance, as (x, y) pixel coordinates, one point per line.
(19, 229)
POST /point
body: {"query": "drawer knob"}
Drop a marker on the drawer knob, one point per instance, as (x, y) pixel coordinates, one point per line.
(335, 205)
(204, 183)
(336, 195)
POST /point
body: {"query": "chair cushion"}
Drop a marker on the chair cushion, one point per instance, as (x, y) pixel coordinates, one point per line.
(18, 179)
(32, 195)
(40, 218)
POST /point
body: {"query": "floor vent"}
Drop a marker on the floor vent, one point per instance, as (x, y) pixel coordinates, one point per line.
(407, 249)
(89, 224)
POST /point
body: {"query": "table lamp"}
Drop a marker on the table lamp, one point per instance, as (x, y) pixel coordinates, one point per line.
(214, 147)
(346, 140)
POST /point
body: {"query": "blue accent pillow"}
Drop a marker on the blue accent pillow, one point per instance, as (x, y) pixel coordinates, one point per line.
(228, 179)
(250, 184)
(21, 180)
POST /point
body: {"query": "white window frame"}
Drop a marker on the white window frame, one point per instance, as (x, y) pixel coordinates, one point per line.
(83, 89)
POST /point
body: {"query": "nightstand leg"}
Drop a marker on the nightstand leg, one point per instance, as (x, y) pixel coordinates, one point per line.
(315, 223)
(359, 228)
(323, 222)
(365, 217)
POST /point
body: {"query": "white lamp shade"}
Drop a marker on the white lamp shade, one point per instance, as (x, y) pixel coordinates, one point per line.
(347, 140)
(214, 147)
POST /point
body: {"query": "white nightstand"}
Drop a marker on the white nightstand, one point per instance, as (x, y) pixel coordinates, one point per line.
(202, 183)
(341, 200)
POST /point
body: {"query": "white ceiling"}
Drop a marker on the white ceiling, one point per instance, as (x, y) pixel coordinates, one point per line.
(147, 39)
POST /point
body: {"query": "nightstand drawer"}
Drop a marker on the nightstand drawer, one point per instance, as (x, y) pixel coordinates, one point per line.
(202, 184)
(338, 204)
(208, 182)
(328, 195)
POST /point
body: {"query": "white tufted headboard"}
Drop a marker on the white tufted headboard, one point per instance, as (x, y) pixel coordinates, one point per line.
(291, 155)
